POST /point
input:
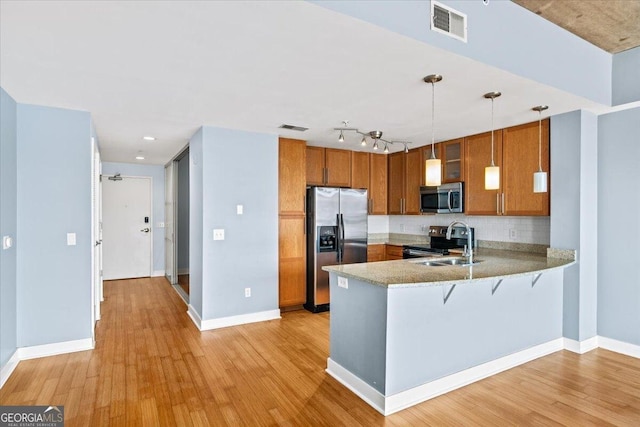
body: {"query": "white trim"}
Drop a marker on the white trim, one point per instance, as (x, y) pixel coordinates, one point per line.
(363, 390)
(9, 367)
(240, 319)
(415, 395)
(619, 346)
(193, 314)
(55, 348)
(157, 273)
(581, 347)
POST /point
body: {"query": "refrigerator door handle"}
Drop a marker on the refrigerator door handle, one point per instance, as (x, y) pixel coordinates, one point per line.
(338, 239)
(341, 231)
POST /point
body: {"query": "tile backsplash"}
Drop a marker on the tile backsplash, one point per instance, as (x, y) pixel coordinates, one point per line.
(517, 229)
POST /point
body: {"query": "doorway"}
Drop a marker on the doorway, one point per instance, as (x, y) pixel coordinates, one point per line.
(177, 223)
(126, 227)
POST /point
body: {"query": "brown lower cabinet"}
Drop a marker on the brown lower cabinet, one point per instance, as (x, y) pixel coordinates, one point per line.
(375, 253)
(393, 252)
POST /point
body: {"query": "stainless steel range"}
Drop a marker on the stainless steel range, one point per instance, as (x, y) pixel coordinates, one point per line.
(439, 245)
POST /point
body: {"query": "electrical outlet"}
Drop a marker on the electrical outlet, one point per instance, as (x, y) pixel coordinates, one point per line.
(71, 239)
(218, 234)
(247, 292)
(343, 282)
(239, 209)
(513, 235)
(7, 242)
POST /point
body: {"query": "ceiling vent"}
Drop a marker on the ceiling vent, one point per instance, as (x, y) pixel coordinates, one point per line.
(448, 21)
(292, 127)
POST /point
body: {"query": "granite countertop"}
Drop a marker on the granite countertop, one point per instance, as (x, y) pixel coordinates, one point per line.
(496, 264)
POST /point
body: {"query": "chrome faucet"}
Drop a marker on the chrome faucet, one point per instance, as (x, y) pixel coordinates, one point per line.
(469, 248)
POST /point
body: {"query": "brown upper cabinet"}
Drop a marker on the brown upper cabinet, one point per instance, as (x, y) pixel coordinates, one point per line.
(452, 156)
(292, 180)
(516, 153)
(328, 166)
(406, 175)
(369, 171)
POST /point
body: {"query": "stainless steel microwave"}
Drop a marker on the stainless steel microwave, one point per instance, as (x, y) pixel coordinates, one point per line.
(445, 198)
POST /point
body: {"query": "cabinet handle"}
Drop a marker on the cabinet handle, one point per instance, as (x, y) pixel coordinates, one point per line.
(370, 206)
(502, 203)
(326, 174)
(497, 203)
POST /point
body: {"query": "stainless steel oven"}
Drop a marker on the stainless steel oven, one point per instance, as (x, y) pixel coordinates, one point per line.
(445, 198)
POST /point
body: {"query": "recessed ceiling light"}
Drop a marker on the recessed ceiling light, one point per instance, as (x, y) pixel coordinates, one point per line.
(148, 138)
(139, 157)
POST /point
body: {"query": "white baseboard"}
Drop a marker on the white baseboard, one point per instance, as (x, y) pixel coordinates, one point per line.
(195, 317)
(619, 346)
(157, 273)
(363, 390)
(56, 348)
(9, 367)
(388, 405)
(581, 347)
(36, 351)
(240, 319)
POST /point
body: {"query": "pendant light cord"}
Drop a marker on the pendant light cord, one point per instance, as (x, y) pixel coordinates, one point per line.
(540, 141)
(433, 112)
(492, 126)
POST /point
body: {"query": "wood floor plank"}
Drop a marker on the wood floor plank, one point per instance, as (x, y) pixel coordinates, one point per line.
(151, 366)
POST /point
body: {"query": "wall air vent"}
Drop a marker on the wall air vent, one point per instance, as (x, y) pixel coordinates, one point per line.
(292, 127)
(448, 21)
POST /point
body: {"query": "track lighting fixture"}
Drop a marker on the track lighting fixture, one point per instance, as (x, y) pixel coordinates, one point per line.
(375, 135)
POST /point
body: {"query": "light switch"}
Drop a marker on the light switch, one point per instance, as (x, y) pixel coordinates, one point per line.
(160, 225)
(7, 242)
(218, 234)
(239, 209)
(71, 239)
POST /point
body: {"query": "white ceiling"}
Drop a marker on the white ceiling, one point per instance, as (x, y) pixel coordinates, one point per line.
(165, 68)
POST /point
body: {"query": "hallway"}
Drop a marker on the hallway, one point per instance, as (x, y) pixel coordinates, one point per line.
(151, 366)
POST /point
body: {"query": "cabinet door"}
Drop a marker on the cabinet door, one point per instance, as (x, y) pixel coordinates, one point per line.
(479, 201)
(315, 165)
(520, 160)
(375, 253)
(291, 176)
(338, 164)
(359, 169)
(292, 261)
(396, 183)
(414, 178)
(393, 252)
(452, 155)
(377, 184)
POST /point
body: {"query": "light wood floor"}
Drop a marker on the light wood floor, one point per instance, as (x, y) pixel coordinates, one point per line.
(152, 367)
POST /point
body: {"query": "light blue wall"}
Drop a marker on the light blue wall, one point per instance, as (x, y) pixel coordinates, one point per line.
(8, 226)
(619, 226)
(54, 198)
(156, 172)
(501, 34)
(196, 214)
(238, 167)
(574, 217)
(183, 214)
(626, 69)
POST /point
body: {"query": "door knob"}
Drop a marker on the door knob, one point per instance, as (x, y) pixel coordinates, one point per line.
(145, 230)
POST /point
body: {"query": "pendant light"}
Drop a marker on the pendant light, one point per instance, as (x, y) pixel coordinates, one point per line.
(540, 177)
(433, 166)
(492, 172)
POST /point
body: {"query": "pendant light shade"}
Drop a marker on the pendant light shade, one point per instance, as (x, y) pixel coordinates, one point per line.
(492, 172)
(433, 166)
(540, 177)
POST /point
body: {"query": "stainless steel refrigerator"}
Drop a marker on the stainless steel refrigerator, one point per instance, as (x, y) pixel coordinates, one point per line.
(336, 234)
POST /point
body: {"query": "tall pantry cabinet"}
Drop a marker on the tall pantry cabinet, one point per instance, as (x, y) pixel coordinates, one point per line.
(292, 262)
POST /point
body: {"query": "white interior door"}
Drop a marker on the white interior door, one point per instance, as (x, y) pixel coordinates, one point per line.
(126, 227)
(96, 237)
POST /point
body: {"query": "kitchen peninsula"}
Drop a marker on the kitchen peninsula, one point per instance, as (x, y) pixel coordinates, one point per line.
(403, 332)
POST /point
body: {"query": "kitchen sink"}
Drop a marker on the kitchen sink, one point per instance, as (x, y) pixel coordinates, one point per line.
(462, 261)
